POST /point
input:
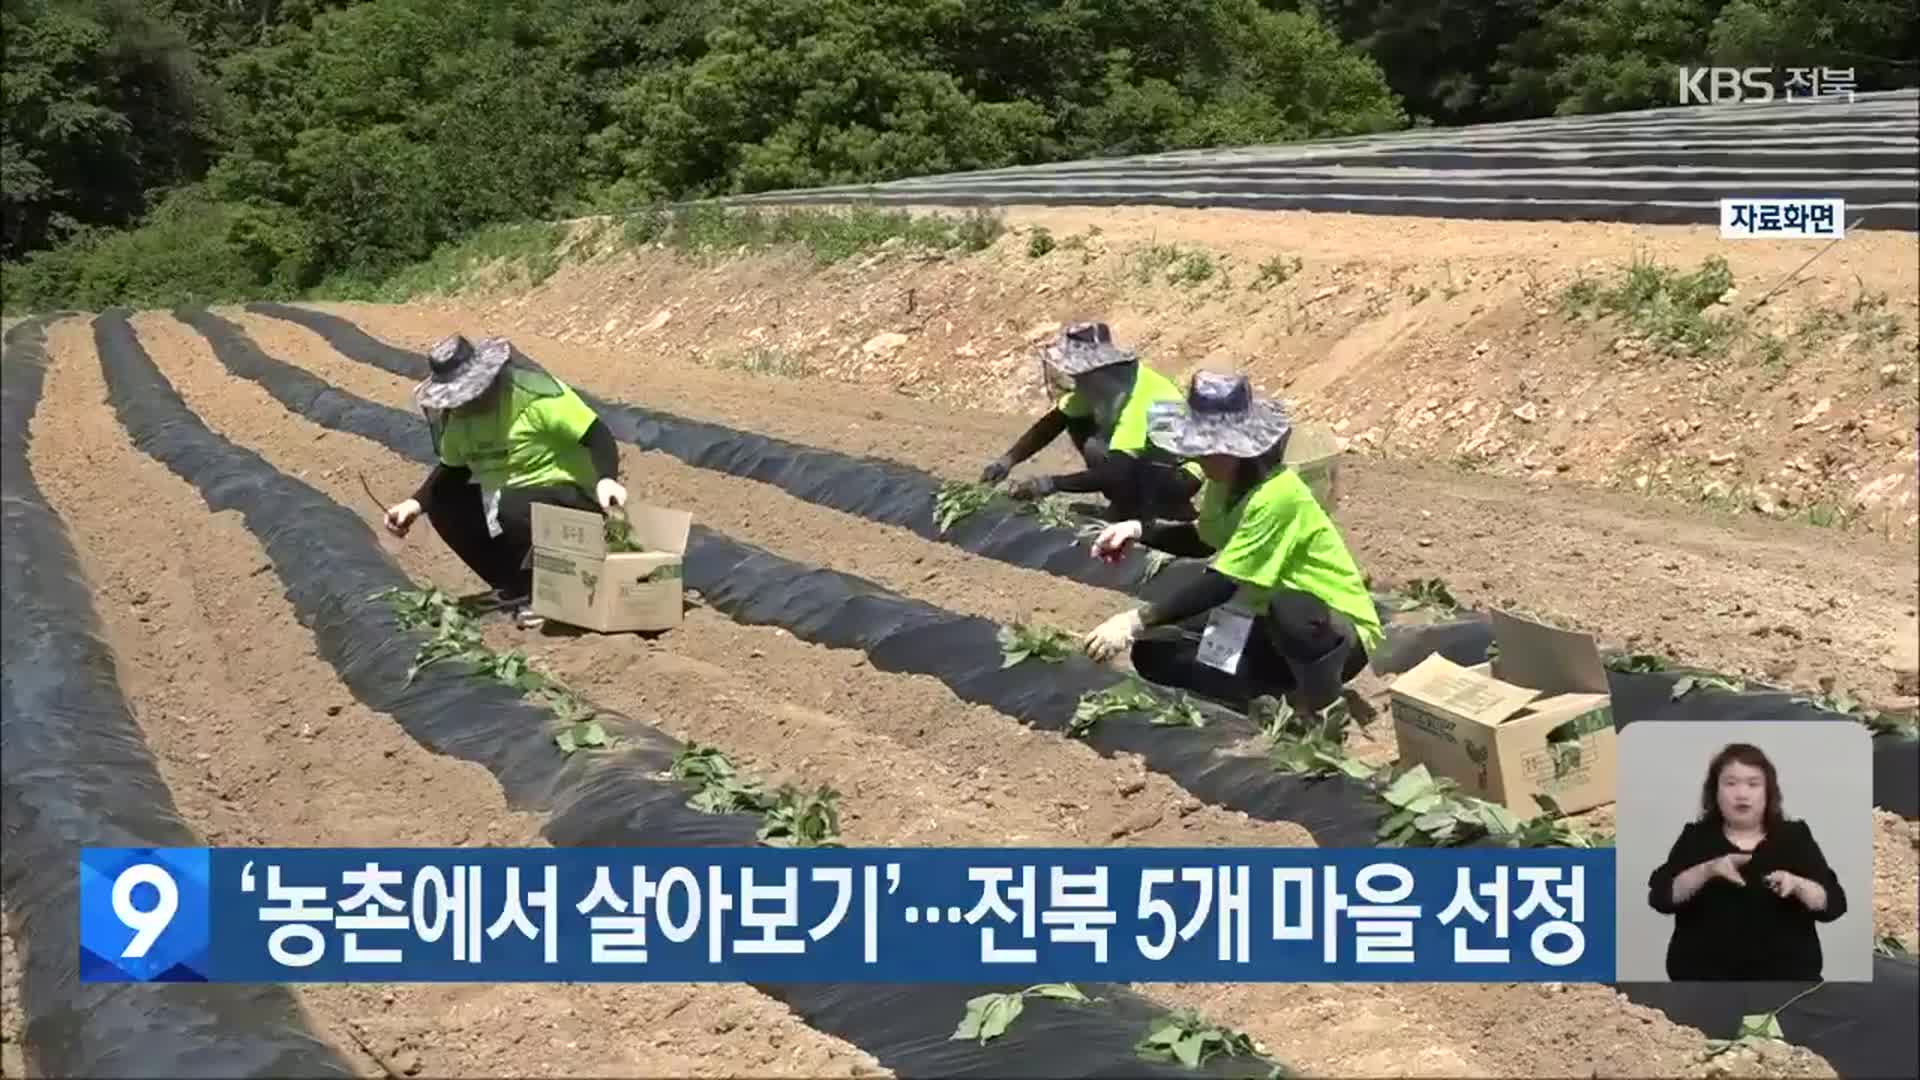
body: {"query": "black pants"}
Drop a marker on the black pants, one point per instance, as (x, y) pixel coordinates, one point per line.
(460, 517)
(1135, 487)
(1298, 646)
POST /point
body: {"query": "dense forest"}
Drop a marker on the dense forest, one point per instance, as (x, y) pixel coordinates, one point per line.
(157, 151)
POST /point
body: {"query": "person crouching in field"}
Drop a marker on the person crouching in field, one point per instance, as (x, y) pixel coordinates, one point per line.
(506, 435)
(1107, 392)
(1286, 611)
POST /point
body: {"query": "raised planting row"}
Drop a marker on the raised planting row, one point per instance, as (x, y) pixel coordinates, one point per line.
(78, 773)
(1039, 537)
(607, 779)
(971, 657)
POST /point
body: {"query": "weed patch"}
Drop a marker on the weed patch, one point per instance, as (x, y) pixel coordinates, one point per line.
(1275, 271)
(1039, 243)
(761, 360)
(829, 236)
(523, 255)
(1662, 304)
(1173, 264)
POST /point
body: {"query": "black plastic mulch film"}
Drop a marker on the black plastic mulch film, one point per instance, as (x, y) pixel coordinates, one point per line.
(332, 565)
(1859, 1028)
(891, 493)
(79, 774)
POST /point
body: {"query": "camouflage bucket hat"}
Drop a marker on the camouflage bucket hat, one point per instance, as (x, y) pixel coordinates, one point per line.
(460, 372)
(1084, 347)
(1220, 416)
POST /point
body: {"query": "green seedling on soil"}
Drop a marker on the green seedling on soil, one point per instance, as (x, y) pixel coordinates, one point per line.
(1758, 1027)
(1424, 810)
(958, 500)
(588, 734)
(989, 1015)
(1636, 662)
(722, 790)
(1186, 1038)
(802, 819)
(1888, 945)
(578, 728)
(1840, 701)
(1687, 684)
(1179, 711)
(1430, 593)
(790, 817)
(1131, 696)
(1308, 744)
(1021, 642)
(1053, 513)
(453, 635)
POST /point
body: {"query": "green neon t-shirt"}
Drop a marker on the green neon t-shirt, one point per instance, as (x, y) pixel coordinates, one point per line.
(1278, 538)
(1130, 427)
(531, 439)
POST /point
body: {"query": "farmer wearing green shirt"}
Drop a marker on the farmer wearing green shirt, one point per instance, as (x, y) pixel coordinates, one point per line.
(507, 435)
(1285, 611)
(1107, 392)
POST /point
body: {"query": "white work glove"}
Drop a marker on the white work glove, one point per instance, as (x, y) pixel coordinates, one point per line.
(1114, 540)
(610, 494)
(1113, 635)
(401, 515)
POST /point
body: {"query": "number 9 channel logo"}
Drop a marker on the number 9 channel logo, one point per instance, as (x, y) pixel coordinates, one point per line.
(144, 915)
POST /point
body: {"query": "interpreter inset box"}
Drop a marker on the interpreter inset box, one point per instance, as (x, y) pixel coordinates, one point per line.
(1745, 852)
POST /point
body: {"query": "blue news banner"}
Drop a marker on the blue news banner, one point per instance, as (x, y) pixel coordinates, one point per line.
(918, 915)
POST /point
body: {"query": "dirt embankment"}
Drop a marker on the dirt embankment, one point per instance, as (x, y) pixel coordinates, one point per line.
(1419, 340)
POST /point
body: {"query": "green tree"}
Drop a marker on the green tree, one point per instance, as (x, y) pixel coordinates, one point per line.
(392, 128)
(1438, 55)
(104, 102)
(797, 92)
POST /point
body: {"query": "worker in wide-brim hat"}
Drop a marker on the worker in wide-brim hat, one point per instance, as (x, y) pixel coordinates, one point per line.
(1105, 392)
(1282, 609)
(506, 435)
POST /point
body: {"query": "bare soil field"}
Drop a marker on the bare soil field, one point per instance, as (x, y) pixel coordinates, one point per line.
(1428, 360)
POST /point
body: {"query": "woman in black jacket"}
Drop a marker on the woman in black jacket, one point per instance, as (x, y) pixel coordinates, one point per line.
(1745, 884)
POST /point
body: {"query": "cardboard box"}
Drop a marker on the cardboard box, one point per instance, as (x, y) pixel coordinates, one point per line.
(578, 582)
(1538, 719)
